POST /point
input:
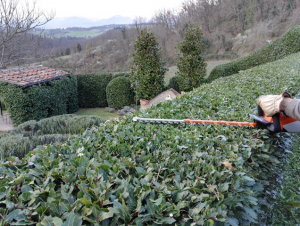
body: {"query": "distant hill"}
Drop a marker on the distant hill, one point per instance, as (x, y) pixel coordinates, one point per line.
(85, 22)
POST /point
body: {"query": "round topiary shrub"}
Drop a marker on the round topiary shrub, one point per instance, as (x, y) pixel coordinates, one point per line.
(173, 83)
(119, 93)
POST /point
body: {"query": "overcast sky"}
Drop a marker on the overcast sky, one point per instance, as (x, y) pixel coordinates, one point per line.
(102, 9)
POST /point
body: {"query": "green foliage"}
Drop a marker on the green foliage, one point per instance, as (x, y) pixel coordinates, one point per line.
(119, 93)
(30, 134)
(68, 51)
(2, 104)
(92, 90)
(79, 48)
(40, 101)
(174, 84)
(125, 74)
(127, 173)
(190, 59)
(286, 211)
(147, 67)
(285, 45)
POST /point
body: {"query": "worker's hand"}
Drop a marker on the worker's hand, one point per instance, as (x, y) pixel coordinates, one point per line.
(272, 104)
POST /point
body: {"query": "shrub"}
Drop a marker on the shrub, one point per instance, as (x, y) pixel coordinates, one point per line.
(128, 173)
(190, 59)
(40, 101)
(92, 90)
(119, 93)
(286, 44)
(147, 68)
(173, 83)
(2, 104)
(30, 134)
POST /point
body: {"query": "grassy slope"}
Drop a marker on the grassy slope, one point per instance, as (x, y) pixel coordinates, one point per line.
(210, 65)
(97, 112)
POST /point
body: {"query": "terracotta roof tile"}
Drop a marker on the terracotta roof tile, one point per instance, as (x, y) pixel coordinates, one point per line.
(29, 76)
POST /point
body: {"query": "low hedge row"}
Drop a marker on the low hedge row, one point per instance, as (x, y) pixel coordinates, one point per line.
(40, 101)
(57, 129)
(285, 45)
(128, 173)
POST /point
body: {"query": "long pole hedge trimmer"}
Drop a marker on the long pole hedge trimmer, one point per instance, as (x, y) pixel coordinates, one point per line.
(277, 123)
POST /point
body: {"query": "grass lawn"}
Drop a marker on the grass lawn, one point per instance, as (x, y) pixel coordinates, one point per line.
(211, 64)
(98, 112)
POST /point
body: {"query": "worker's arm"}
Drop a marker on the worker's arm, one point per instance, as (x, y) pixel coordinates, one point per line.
(273, 104)
(292, 108)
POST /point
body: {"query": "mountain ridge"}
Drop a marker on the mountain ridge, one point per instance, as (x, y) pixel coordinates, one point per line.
(85, 22)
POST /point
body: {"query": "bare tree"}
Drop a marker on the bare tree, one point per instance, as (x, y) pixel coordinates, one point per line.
(18, 40)
(139, 22)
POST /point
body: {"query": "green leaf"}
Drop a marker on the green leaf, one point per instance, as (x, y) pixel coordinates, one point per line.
(73, 220)
(57, 221)
(47, 221)
(26, 188)
(209, 222)
(233, 221)
(86, 202)
(14, 215)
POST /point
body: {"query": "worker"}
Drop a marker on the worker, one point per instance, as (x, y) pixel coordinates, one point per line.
(272, 104)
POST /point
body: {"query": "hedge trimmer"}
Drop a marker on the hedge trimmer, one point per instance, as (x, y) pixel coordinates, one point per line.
(277, 123)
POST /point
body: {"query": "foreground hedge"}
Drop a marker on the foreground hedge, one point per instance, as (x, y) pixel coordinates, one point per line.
(30, 134)
(40, 101)
(92, 90)
(126, 173)
(285, 45)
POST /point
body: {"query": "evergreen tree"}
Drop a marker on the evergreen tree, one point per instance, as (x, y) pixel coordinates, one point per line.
(79, 48)
(147, 70)
(190, 61)
(68, 51)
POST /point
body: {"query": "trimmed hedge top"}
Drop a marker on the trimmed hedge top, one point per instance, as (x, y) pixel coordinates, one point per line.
(285, 45)
(126, 173)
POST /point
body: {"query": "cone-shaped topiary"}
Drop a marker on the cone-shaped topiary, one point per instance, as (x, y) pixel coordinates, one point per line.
(190, 61)
(147, 70)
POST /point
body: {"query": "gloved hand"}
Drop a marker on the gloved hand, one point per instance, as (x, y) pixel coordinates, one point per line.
(272, 104)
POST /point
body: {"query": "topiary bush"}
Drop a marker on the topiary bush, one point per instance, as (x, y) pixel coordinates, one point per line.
(173, 83)
(40, 101)
(119, 93)
(190, 60)
(147, 70)
(286, 44)
(92, 90)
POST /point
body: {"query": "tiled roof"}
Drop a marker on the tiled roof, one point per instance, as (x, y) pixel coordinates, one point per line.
(29, 76)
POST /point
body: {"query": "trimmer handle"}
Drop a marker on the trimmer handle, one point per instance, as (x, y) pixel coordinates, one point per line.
(278, 122)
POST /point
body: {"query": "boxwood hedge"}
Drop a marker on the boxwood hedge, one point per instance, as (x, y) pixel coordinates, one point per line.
(40, 101)
(119, 92)
(126, 173)
(286, 44)
(92, 89)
